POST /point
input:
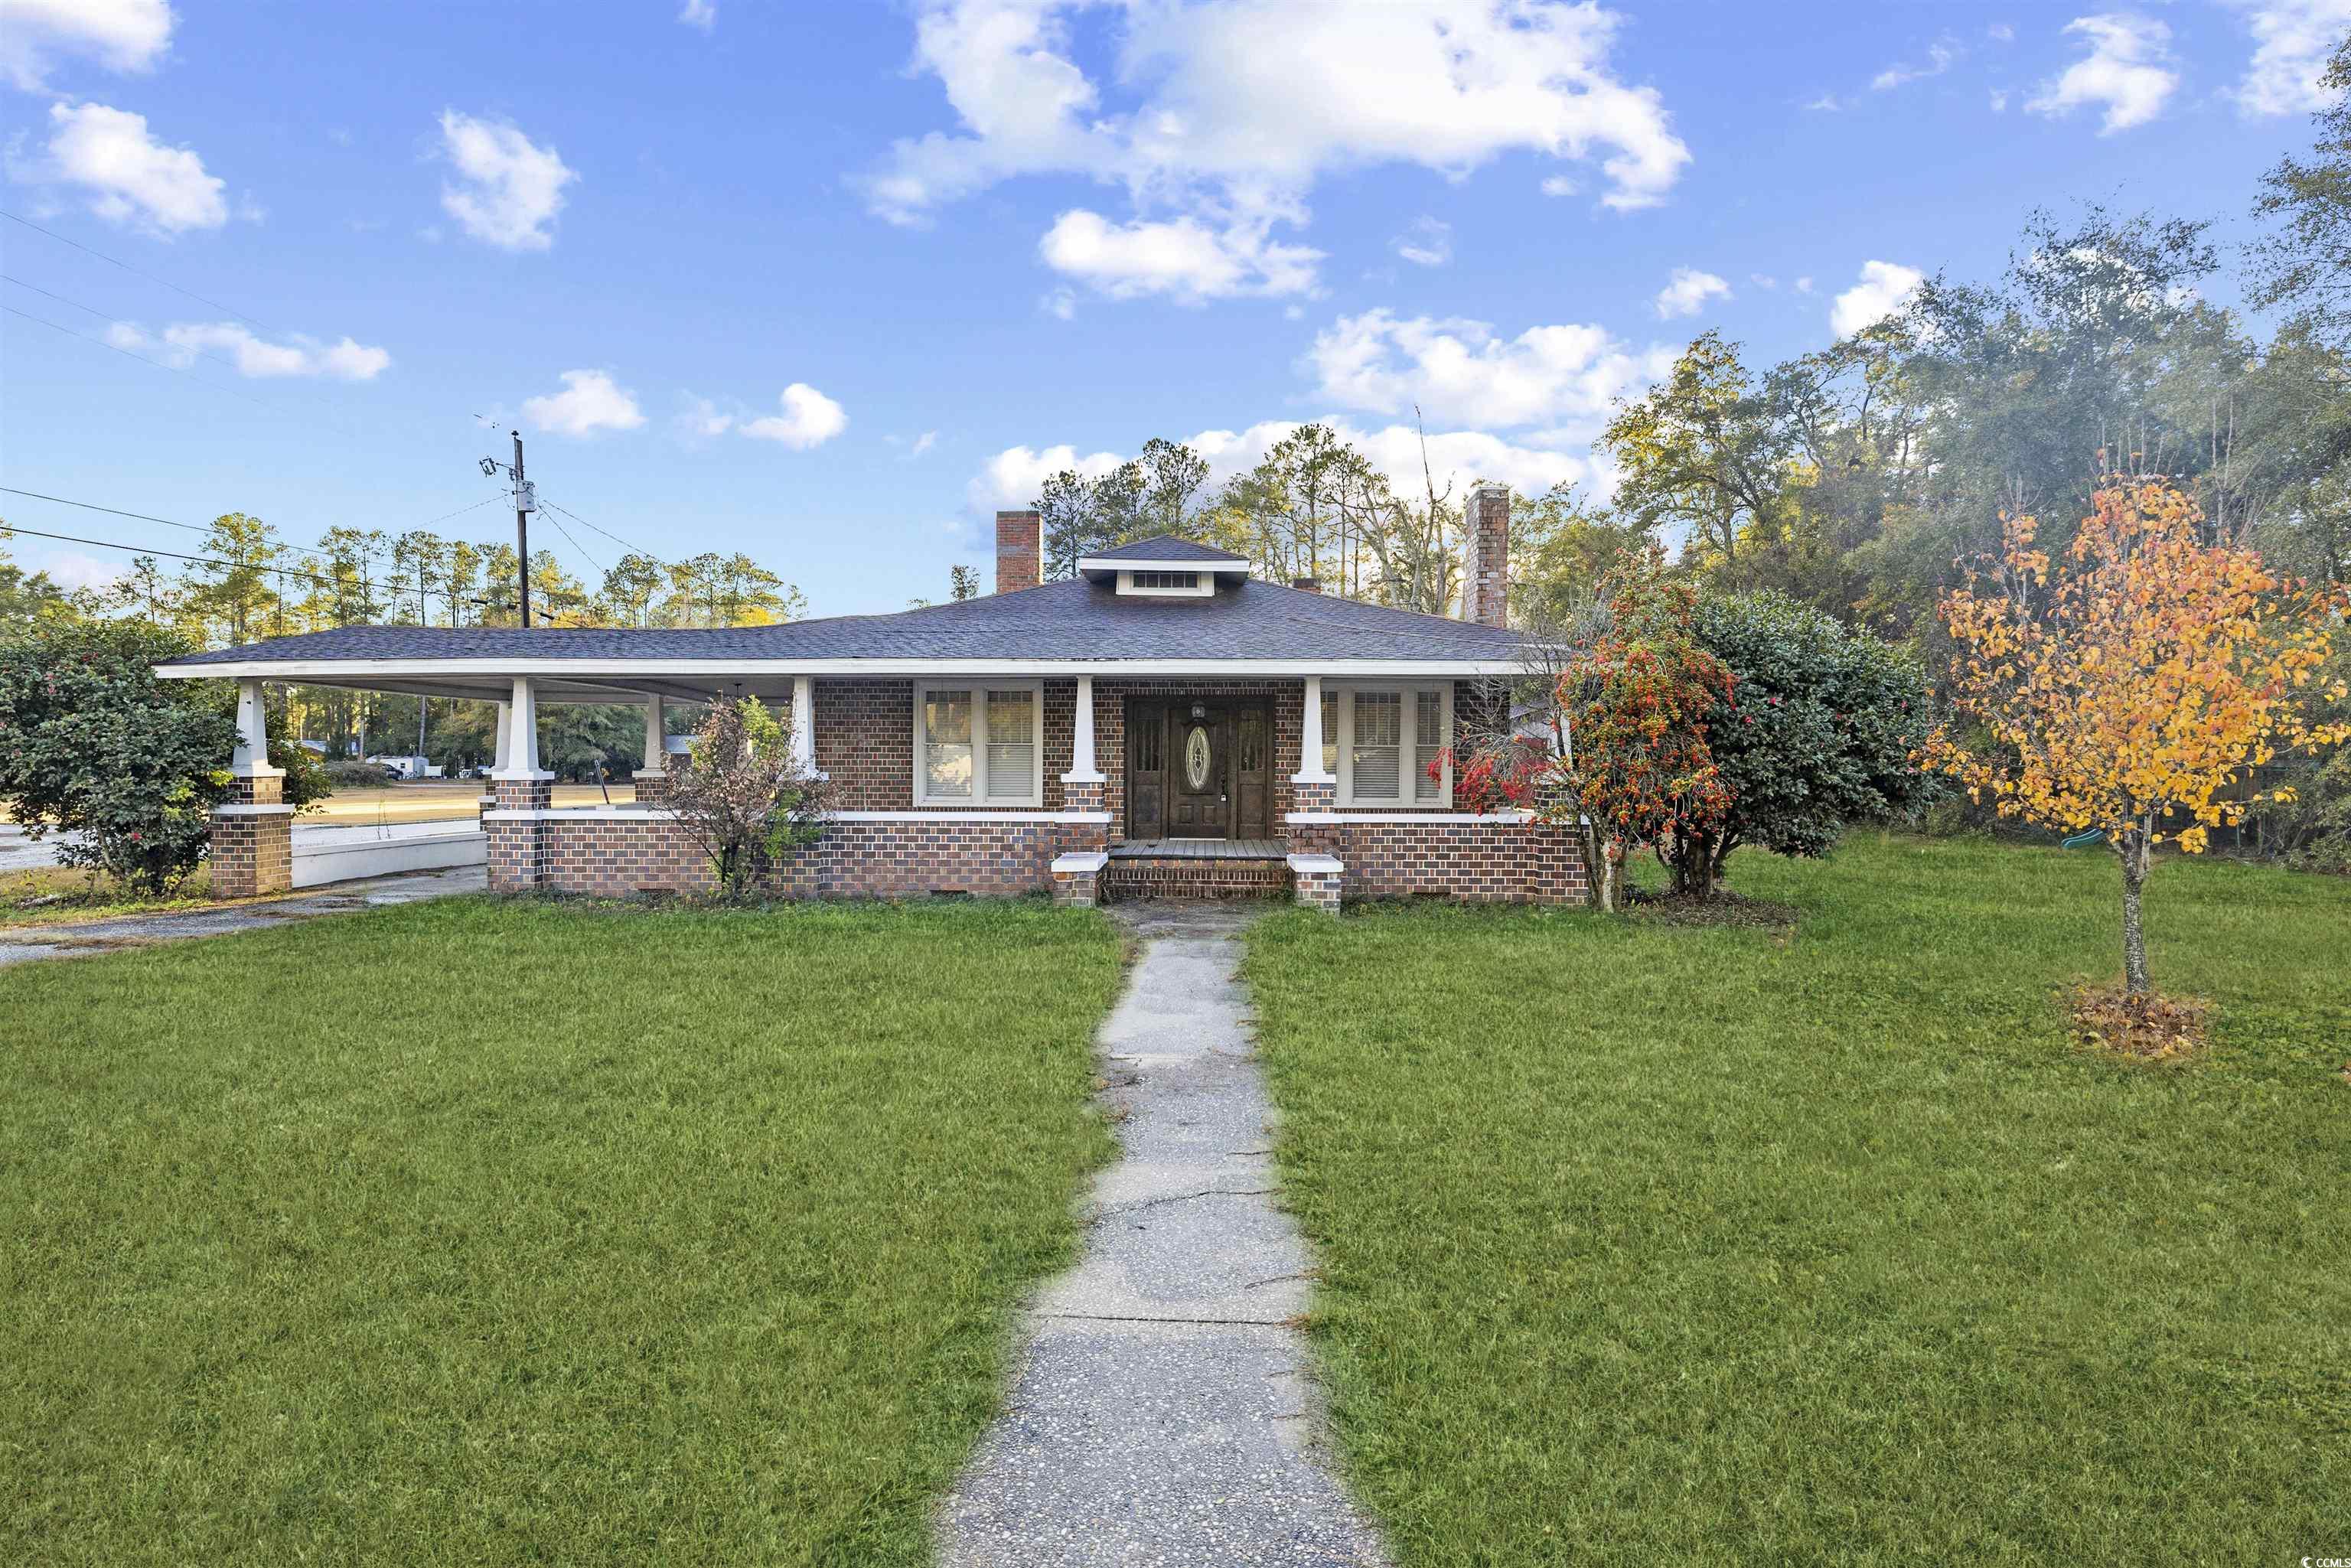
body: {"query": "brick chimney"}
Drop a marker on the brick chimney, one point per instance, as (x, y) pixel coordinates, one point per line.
(1017, 550)
(1485, 556)
(1307, 584)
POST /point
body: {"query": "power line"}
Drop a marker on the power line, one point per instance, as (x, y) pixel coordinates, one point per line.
(178, 555)
(134, 271)
(202, 528)
(106, 315)
(606, 532)
(175, 370)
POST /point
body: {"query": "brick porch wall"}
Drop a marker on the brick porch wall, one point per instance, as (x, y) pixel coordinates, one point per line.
(252, 840)
(1473, 862)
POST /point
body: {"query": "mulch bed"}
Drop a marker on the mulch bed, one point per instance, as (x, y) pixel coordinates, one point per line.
(2143, 1029)
(1723, 908)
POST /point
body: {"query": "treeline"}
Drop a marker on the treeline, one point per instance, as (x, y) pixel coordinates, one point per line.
(250, 584)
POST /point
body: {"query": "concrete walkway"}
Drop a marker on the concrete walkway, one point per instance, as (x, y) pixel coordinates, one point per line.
(28, 944)
(1164, 1414)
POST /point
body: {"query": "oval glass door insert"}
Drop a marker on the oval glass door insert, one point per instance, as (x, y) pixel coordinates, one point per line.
(1196, 758)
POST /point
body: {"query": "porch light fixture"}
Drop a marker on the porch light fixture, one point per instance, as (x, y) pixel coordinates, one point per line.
(1199, 710)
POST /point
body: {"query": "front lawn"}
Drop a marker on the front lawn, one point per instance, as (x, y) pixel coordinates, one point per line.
(489, 1232)
(1656, 1244)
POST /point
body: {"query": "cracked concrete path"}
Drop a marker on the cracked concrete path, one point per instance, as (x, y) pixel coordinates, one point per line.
(1164, 1413)
(29, 944)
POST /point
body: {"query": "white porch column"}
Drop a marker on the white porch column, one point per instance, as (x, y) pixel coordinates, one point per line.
(251, 758)
(657, 736)
(1309, 741)
(1082, 768)
(804, 721)
(519, 752)
(504, 739)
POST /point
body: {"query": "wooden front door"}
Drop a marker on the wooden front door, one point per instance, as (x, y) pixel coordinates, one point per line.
(1200, 765)
(1199, 769)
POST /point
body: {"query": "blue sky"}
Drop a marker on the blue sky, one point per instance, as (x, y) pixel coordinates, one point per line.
(829, 283)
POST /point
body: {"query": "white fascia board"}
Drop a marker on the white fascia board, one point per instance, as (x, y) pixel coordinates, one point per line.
(1129, 563)
(348, 670)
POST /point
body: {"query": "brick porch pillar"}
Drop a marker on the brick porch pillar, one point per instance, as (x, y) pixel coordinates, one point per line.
(253, 829)
(517, 856)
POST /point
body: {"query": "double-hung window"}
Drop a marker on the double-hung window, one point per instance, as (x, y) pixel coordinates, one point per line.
(1390, 744)
(978, 744)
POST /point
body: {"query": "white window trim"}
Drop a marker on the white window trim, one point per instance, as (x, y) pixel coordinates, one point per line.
(1409, 768)
(979, 687)
(1204, 585)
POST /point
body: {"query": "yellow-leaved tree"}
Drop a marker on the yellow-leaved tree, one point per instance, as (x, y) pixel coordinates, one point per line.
(2131, 683)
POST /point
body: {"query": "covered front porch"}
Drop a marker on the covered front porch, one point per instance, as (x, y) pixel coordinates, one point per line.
(1124, 784)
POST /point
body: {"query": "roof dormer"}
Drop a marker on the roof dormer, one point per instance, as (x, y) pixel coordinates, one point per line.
(1162, 567)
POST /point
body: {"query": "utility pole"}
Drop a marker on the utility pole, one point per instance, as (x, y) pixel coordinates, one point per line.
(522, 531)
(424, 618)
(526, 502)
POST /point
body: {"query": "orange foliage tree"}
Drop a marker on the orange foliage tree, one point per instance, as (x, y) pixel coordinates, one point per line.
(2131, 684)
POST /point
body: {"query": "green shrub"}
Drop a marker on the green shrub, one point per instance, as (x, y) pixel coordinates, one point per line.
(94, 747)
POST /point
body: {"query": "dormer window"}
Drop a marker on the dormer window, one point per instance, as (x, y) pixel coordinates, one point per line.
(1165, 567)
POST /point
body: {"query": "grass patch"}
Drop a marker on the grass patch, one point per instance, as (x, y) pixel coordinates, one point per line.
(486, 1231)
(1644, 1243)
(52, 895)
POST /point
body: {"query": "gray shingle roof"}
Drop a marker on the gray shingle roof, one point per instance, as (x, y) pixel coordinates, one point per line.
(1075, 619)
(1167, 547)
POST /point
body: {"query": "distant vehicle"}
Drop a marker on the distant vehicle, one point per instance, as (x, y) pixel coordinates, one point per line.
(409, 768)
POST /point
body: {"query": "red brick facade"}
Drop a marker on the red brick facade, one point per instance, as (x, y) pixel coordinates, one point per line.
(865, 743)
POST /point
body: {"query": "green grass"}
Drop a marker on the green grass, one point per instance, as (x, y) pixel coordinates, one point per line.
(1648, 1244)
(482, 1232)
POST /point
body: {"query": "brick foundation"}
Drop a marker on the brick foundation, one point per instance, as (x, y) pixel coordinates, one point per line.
(1173, 878)
(653, 788)
(1483, 861)
(253, 838)
(517, 848)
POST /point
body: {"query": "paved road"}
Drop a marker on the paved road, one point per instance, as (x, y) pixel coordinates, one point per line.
(29, 944)
(18, 852)
(1164, 1413)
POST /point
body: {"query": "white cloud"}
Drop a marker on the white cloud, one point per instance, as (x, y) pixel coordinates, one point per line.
(1460, 371)
(590, 401)
(2126, 70)
(1941, 55)
(1686, 292)
(2001, 33)
(1429, 242)
(1885, 287)
(1014, 476)
(810, 419)
(922, 443)
(1826, 103)
(1184, 260)
(2292, 41)
(71, 569)
(1763, 280)
(1061, 304)
(1228, 113)
(1557, 185)
(2000, 100)
(118, 35)
(508, 189)
(1803, 286)
(130, 177)
(699, 14)
(348, 359)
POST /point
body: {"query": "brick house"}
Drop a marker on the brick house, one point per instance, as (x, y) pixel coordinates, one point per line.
(1161, 724)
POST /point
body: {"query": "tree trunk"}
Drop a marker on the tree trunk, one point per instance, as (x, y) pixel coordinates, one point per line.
(1691, 858)
(1603, 860)
(2134, 849)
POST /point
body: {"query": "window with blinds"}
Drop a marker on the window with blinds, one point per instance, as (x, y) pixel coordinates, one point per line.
(1383, 745)
(1377, 753)
(977, 745)
(947, 746)
(1428, 745)
(1011, 744)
